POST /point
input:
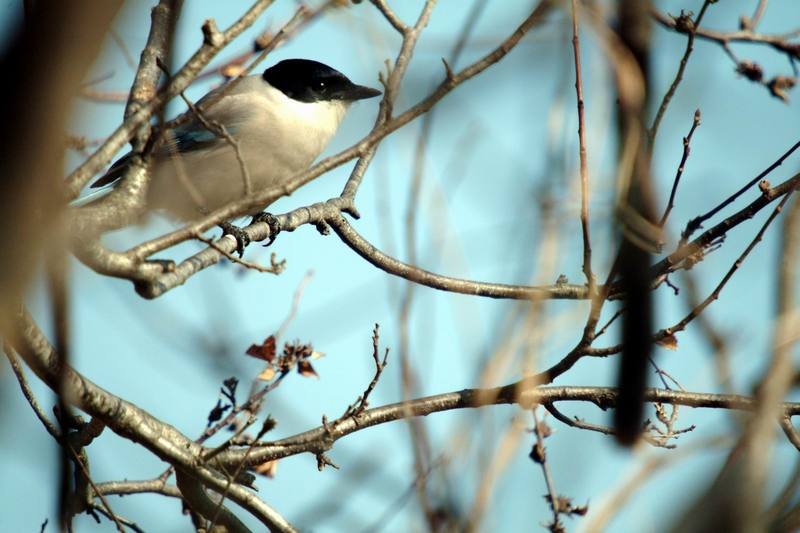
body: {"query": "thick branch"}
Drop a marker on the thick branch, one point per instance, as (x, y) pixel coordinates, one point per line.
(131, 422)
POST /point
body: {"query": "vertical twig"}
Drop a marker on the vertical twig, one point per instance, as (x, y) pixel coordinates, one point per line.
(539, 456)
(686, 149)
(587, 244)
(678, 75)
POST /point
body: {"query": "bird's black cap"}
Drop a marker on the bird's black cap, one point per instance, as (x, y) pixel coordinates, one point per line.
(308, 81)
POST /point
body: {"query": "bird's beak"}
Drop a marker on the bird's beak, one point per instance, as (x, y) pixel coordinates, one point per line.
(359, 92)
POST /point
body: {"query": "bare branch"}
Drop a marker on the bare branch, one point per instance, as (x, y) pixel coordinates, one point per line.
(686, 149)
(28, 393)
(492, 290)
(690, 28)
(322, 438)
(129, 421)
(587, 243)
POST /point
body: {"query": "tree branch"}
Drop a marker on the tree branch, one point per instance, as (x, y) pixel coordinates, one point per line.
(322, 438)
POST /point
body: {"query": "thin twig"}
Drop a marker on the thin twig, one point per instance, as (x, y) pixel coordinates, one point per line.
(680, 326)
(28, 393)
(221, 131)
(713, 296)
(296, 297)
(790, 432)
(362, 402)
(686, 149)
(778, 42)
(540, 456)
(276, 267)
(692, 27)
(697, 222)
(492, 290)
(76, 459)
(611, 320)
(587, 244)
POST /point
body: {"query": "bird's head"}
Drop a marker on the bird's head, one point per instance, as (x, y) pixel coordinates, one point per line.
(310, 81)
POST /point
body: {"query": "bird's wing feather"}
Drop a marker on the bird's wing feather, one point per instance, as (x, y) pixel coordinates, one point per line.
(192, 135)
(114, 173)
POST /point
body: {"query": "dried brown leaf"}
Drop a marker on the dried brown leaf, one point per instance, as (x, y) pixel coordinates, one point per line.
(264, 351)
(306, 370)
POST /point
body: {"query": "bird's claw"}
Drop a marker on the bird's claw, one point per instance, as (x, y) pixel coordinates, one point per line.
(270, 220)
(241, 236)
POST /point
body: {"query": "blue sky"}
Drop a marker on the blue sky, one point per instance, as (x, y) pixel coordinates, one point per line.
(495, 140)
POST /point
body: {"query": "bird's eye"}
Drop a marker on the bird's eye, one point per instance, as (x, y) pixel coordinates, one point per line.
(320, 86)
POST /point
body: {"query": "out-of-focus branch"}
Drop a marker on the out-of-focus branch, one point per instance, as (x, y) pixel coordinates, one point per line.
(737, 493)
(49, 56)
(779, 42)
(636, 226)
(752, 22)
(778, 86)
(615, 500)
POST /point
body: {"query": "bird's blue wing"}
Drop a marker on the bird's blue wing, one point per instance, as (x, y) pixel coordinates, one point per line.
(190, 138)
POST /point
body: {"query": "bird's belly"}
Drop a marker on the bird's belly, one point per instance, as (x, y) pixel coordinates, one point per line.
(189, 185)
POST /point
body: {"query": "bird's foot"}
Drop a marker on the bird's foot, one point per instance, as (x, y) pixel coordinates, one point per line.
(241, 236)
(270, 220)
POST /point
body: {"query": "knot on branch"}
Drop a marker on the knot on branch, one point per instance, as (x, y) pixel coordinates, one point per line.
(684, 22)
(211, 34)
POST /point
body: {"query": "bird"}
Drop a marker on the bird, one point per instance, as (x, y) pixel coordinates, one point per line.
(274, 124)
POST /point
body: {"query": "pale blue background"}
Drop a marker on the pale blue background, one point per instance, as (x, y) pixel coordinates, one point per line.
(495, 139)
